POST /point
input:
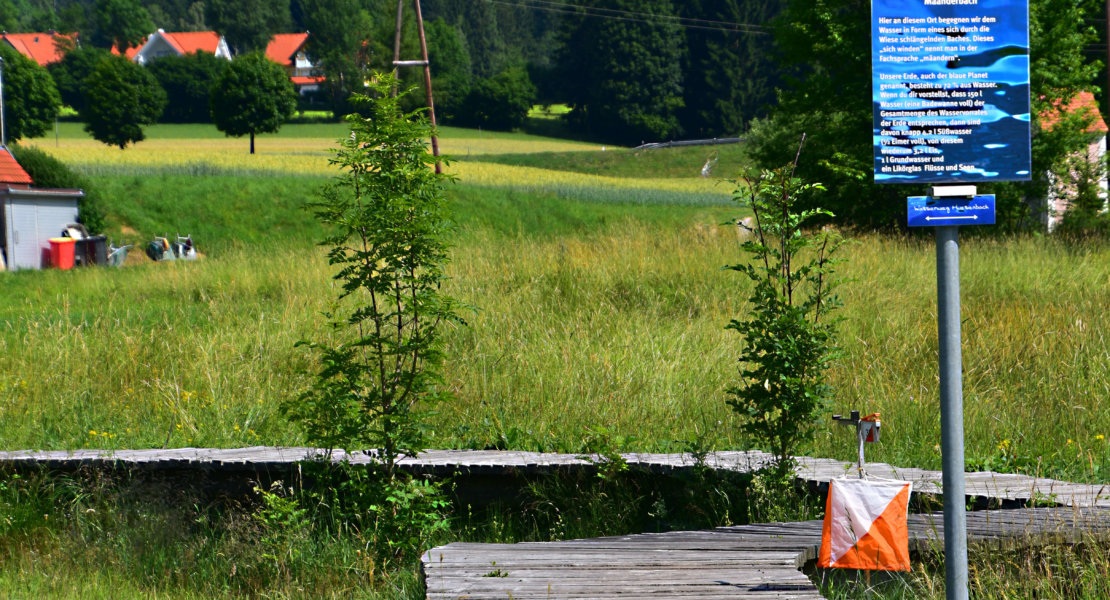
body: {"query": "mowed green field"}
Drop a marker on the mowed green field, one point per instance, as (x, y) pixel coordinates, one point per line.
(597, 303)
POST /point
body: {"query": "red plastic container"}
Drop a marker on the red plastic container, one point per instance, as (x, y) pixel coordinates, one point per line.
(61, 252)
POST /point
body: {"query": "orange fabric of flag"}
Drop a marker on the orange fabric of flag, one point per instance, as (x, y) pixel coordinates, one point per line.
(865, 525)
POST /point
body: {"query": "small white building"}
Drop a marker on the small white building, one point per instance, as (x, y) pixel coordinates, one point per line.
(1061, 193)
(30, 216)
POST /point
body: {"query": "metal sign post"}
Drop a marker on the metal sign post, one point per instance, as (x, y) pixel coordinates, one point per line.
(951, 387)
(951, 411)
(950, 87)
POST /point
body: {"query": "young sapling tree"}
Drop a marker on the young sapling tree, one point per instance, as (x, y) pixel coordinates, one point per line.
(380, 369)
(387, 213)
(789, 332)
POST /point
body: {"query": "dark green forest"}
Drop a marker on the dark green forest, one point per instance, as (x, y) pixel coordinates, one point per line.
(632, 70)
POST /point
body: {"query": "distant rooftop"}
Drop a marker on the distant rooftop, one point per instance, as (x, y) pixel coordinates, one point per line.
(283, 48)
(10, 171)
(1083, 102)
(39, 47)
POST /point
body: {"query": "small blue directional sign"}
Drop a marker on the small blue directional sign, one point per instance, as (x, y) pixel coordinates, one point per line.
(926, 211)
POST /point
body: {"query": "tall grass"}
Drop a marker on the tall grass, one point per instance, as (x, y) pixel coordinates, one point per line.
(611, 322)
(1007, 569)
(1035, 353)
(185, 354)
(598, 301)
(676, 162)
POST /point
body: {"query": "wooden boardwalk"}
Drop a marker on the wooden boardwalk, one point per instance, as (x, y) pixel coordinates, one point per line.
(984, 487)
(739, 563)
(747, 562)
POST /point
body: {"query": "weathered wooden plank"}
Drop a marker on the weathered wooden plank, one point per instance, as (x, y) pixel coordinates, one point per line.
(1008, 487)
(738, 560)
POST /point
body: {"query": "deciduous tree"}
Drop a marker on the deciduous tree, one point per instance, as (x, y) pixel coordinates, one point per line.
(31, 100)
(120, 99)
(336, 38)
(386, 211)
(188, 82)
(71, 72)
(501, 102)
(254, 95)
(9, 16)
(788, 332)
(122, 23)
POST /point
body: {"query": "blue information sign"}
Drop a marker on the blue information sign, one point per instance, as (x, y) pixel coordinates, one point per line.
(926, 211)
(950, 90)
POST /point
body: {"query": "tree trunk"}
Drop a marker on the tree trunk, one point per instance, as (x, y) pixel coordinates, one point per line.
(252, 142)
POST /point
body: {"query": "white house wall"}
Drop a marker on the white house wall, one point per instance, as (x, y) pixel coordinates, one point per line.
(222, 49)
(302, 67)
(156, 47)
(1060, 199)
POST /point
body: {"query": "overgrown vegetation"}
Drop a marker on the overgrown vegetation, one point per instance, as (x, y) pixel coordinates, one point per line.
(634, 281)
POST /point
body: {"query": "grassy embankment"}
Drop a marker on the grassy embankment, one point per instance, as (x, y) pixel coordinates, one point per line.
(598, 303)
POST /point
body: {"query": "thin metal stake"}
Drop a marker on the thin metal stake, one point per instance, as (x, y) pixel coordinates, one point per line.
(951, 412)
(860, 439)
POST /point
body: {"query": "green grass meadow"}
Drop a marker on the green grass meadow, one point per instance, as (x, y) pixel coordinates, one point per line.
(583, 314)
(591, 313)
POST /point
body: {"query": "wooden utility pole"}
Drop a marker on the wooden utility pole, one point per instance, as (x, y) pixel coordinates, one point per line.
(397, 62)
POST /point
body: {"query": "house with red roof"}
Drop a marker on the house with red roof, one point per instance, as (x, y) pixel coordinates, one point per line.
(30, 216)
(1061, 194)
(43, 48)
(163, 43)
(287, 50)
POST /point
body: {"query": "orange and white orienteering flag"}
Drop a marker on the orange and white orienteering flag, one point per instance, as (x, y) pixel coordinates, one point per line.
(865, 525)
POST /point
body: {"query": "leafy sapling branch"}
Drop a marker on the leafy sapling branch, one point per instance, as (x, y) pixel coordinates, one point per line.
(789, 334)
(387, 214)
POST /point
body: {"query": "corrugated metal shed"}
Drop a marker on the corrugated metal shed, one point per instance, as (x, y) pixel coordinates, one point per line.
(29, 217)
